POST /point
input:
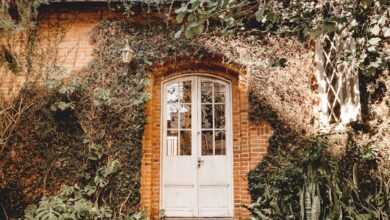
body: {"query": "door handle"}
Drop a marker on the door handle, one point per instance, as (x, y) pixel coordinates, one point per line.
(200, 162)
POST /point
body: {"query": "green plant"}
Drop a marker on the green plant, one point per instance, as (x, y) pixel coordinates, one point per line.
(310, 197)
(75, 202)
(194, 15)
(136, 216)
(325, 188)
(101, 97)
(363, 23)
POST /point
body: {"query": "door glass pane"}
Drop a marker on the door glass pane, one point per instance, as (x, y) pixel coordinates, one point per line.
(219, 93)
(185, 142)
(172, 143)
(185, 116)
(207, 92)
(207, 142)
(179, 117)
(173, 93)
(185, 91)
(207, 116)
(220, 142)
(219, 114)
(172, 115)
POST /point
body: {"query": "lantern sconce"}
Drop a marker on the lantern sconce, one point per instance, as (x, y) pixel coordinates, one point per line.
(127, 53)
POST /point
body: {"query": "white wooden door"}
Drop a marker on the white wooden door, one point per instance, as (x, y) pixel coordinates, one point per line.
(197, 152)
(214, 164)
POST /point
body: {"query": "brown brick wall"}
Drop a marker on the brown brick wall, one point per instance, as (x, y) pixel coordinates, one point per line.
(64, 40)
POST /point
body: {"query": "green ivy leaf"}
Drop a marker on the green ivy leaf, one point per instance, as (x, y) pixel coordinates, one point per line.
(191, 18)
(371, 49)
(386, 32)
(64, 105)
(147, 62)
(182, 9)
(188, 33)
(259, 14)
(180, 18)
(198, 29)
(178, 33)
(374, 41)
(375, 30)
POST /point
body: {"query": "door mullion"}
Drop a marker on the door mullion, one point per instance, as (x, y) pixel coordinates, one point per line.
(213, 116)
(196, 141)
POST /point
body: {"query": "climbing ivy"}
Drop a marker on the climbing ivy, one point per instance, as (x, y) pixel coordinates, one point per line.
(73, 129)
(18, 20)
(18, 15)
(367, 22)
(303, 177)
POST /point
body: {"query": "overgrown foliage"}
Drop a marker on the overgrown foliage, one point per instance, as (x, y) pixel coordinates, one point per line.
(75, 203)
(18, 25)
(301, 178)
(364, 21)
(18, 15)
(69, 133)
(306, 182)
(72, 131)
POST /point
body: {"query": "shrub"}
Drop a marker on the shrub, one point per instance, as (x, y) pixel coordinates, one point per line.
(80, 203)
(310, 183)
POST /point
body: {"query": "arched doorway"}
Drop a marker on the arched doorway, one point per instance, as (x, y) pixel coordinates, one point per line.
(196, 149)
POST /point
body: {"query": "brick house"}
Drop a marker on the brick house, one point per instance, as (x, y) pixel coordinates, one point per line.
(199, 143)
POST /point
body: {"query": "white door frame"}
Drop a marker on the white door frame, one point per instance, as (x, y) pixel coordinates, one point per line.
(229, 131)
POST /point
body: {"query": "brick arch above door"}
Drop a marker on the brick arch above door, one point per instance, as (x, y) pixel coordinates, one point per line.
(211, 64)
(248, 140)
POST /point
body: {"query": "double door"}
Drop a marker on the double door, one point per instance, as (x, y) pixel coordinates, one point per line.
(197, 148)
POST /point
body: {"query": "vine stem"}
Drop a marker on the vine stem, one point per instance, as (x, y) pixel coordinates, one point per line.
(124, 202)
(47, 175)
(4, 211)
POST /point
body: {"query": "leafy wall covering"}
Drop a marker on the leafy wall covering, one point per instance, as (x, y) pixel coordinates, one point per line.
(85, 132)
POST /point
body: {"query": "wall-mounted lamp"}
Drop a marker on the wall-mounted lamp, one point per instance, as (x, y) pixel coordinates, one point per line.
(127, 53)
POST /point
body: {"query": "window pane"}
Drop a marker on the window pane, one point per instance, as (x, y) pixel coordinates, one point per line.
(220, 143)
(207, 92)
(172, 115)
(185, 92)
(173, 93)
(185, 142)
(219, 115)
(185, 116)
(207, 116)
(172, 143)
(207, 142)
(219, 93)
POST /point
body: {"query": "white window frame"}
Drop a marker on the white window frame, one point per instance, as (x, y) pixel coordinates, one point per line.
(346, 91)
